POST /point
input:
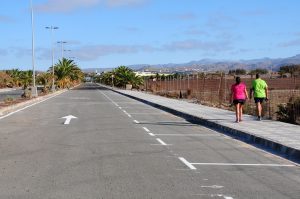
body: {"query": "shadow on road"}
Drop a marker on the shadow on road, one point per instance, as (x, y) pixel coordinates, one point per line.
(90, 86)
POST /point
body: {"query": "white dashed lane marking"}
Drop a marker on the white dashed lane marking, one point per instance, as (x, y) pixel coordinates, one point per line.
(161, 142)
(147, 130)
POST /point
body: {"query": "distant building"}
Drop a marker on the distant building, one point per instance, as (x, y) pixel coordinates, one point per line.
(144, 73)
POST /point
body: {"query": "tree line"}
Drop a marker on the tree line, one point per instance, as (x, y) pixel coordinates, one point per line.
(285, 69)
(120, 77)
(66, 74)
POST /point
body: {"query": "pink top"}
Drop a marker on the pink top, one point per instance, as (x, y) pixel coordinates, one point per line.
(238, 91)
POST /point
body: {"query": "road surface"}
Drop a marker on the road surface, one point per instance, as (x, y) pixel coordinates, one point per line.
(117, 147)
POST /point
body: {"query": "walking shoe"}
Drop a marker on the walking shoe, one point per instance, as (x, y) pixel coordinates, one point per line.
(259, 118)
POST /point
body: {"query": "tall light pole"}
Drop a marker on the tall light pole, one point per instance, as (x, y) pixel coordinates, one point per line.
(33, 89)
(62, 48)
(52, 28)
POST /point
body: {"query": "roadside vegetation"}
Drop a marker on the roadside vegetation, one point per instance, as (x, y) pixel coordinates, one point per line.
(66, 75)
(122, 77)
(289, 112)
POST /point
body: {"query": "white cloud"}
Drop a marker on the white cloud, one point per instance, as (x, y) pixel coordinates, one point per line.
(221, 21)
(71, 5)
(184, 16)
(95, 51)
(194, 30)
(64, 5)
(116, 3)
(197, 45)
(295, 42)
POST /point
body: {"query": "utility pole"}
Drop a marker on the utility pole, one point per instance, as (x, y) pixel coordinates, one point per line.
(33, 89)
(51, 28)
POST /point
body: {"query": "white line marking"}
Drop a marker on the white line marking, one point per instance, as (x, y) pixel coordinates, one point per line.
(162, 142)
(120, 107)
(146, 129)
(9, 114)
(151, 134)
(137, 122)
(214, 195)
(239, 164)
(109, 98)
(187, 163)
(129, 115)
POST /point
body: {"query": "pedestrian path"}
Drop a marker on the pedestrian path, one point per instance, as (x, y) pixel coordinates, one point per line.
(282, 138)
(2, 90)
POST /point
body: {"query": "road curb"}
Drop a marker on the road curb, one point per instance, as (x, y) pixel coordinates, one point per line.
(260, 142)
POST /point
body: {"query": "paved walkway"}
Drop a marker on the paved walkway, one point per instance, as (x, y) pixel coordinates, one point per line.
(8, 89)
(282, 138)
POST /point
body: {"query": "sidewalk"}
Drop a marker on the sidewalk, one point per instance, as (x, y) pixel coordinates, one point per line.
(282, 138)
(8, 89)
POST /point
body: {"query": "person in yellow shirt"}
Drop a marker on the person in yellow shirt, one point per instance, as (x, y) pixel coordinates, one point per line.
(260, 91)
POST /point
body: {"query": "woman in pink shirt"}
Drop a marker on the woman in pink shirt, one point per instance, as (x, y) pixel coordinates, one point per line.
(238, 97)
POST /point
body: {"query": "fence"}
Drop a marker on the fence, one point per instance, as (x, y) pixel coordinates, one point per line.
(214, 90)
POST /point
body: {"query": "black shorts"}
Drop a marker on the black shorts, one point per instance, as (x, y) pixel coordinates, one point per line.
(239, 101)
(259, 99)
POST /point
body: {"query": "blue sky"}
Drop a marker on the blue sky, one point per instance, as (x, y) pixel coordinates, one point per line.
(110, 33)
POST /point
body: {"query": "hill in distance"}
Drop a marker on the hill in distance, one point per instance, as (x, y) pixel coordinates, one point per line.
(211, 65)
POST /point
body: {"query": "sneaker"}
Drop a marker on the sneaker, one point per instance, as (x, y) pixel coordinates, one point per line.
(259, 118)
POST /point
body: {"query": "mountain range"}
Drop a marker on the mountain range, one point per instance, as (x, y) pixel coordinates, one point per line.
(212, 65)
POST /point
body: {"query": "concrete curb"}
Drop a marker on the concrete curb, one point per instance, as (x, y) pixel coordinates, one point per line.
(260, 142)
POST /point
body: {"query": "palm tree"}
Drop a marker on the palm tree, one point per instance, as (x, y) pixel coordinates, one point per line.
(5, 79)
(67, 73)
(26, 78)
(45, 79)
(15, 77)
(125, 75)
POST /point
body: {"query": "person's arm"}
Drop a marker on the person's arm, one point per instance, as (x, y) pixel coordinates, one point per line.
(267, 92)
(251, 93)
(246, 93)
(231, 96)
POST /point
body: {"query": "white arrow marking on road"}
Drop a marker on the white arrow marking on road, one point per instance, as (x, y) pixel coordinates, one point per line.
(68, 118)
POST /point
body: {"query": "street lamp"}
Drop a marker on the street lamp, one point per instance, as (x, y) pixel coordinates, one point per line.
(62, 48)
(33, 89)
(52, 28)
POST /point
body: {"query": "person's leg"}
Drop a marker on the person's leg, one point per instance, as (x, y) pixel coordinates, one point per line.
(241, 112)
(237, 112)
(259, 108)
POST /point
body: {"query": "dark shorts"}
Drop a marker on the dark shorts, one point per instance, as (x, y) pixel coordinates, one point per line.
(259, 99)
(239, 101)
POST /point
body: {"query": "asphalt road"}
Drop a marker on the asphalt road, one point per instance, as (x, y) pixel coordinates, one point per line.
(121, 148)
